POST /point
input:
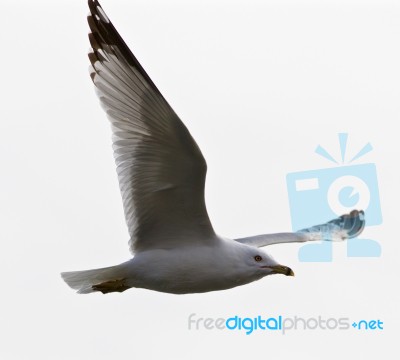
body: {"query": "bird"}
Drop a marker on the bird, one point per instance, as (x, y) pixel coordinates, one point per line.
(162, 174)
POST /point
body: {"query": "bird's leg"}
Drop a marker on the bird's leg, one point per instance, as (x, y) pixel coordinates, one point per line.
(117, 285)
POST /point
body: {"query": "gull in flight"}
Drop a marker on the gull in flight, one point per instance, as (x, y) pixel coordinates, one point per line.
(162, 173)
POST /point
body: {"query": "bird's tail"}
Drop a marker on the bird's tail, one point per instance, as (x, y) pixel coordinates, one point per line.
(108, 279)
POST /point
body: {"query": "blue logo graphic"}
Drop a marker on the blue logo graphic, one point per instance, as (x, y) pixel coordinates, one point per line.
(281, 323)
(368, 325)
(316, 196)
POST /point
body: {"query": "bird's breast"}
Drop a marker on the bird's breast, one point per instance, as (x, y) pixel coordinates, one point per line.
(191, 270)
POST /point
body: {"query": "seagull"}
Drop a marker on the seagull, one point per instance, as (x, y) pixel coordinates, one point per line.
(162, 173)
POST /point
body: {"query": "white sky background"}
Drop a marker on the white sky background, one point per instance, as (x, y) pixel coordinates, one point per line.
(259, 84)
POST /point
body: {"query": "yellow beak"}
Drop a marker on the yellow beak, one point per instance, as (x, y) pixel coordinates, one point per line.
(280, 269)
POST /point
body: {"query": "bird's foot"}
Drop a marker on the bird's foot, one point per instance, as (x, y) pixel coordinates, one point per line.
(117, 285)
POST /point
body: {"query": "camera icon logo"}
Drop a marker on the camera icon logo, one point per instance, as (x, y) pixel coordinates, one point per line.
(316, 196)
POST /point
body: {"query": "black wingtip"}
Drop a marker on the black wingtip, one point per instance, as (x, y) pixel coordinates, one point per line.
(358, 219)
(353, 223)
(93, 4)
(105, 37)
(97, 10)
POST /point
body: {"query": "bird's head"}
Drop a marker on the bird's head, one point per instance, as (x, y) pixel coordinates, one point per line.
(263, 264)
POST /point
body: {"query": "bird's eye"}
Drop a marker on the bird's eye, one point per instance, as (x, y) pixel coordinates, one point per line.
(257, 258)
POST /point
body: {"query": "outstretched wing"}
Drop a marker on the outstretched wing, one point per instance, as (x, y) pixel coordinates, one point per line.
(344, 227)
(160, 168)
